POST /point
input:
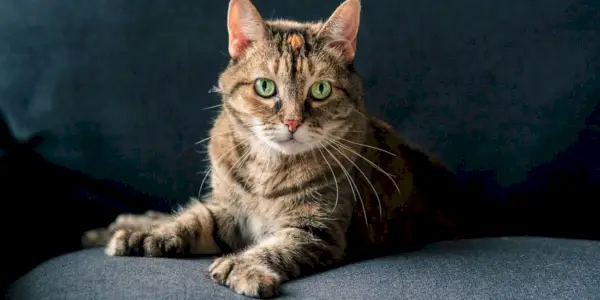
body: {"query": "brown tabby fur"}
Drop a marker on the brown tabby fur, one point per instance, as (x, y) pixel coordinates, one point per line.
(276, 216)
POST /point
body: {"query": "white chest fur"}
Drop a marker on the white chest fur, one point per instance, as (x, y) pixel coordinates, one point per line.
(253, 227)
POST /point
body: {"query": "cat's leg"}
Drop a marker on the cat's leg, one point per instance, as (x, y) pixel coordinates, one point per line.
(287, 254)
(99, 237)
(188, 233)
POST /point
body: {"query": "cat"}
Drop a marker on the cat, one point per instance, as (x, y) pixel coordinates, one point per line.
(302, 178)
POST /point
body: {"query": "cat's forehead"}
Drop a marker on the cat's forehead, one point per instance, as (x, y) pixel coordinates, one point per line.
(293, 46)
(291, 53)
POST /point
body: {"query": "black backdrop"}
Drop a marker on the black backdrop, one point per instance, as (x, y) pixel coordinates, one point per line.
(506, 92)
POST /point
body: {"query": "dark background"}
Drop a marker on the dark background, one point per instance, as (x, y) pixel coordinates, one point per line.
(105, 100)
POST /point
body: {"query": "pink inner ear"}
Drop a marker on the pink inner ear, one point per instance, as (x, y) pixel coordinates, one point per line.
(244, 25)
(237, 41)
(237, 45)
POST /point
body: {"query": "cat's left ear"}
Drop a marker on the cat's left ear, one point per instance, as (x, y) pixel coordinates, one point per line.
(341, 29)
(245, 25)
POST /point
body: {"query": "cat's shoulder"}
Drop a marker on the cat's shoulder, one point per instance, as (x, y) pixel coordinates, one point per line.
(381, 125)
(382, 133)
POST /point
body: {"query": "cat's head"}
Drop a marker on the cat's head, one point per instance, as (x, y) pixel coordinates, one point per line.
(292, 86)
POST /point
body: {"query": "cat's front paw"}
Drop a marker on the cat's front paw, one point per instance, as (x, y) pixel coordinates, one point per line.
(245, 276)
(95, 238)
(153, 243)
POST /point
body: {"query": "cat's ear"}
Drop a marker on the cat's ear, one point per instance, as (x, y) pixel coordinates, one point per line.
(244, 25)
(342, 27)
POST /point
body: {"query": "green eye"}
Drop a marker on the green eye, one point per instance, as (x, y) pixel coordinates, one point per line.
(264, 87)
(320, 90)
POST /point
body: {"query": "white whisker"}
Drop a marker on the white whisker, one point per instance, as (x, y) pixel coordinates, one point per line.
(224, 133)
(216, 162)
(365, 176)
(337, 190)
(215, 89)
(212, 107)
(239, 161)
(388, 175)
(352, 185)
(364, 145)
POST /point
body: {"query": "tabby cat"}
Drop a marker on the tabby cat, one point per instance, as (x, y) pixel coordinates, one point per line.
(302, 178)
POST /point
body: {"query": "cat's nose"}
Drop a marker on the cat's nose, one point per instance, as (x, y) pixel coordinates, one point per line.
(292, 125)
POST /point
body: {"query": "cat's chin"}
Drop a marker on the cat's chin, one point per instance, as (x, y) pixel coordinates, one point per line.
(289, 147)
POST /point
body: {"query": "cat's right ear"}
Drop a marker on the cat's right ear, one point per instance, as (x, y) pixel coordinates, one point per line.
(245, 25)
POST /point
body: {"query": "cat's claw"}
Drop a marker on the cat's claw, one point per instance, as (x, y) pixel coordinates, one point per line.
(245, 276)
(145, 243)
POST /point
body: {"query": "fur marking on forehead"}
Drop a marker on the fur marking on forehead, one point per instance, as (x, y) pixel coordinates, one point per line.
(296, 42)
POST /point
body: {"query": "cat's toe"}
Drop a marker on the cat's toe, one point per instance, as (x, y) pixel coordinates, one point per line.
(219, 270)
(254, 282)
(95, 238)
(245, 277)
(143, 243)
(158, 244)
(119, 244)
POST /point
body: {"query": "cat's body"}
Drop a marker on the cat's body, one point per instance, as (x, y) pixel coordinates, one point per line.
(301, 177)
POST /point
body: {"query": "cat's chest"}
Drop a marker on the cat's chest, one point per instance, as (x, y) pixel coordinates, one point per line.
(267, 176)
(252, 228)
(258, 220)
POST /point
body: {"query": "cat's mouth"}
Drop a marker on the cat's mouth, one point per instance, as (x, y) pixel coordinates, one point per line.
(285, 138)
(289, 145)
(284, 141)
(288, 141)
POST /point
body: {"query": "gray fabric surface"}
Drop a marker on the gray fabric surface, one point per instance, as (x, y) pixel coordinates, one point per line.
(500, 268)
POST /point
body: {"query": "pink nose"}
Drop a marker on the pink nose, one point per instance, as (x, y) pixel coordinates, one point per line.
(292, 125)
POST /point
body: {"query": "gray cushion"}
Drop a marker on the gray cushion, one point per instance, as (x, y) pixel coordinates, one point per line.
(499, 268)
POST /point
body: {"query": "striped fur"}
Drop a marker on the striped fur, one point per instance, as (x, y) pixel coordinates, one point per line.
(349, 188)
